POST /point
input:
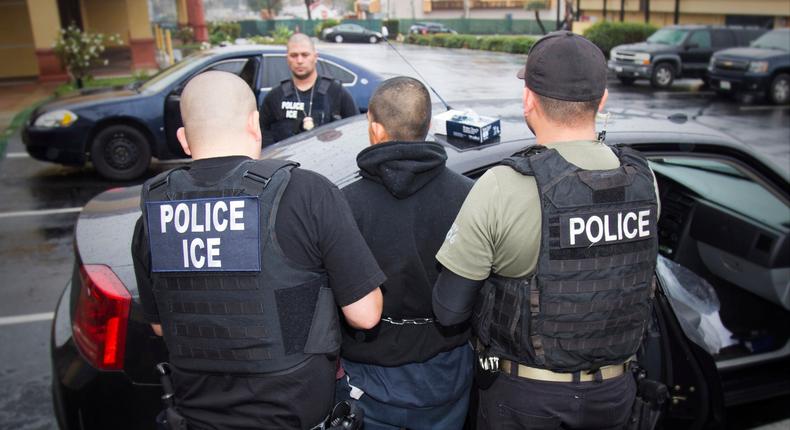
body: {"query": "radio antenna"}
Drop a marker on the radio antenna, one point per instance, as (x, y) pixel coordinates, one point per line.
(446, 106)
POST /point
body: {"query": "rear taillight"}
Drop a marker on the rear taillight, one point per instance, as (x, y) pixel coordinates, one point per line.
(101, 317)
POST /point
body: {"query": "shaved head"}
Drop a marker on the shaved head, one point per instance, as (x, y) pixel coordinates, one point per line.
(402, 106)
(300, 39)
(216, 108)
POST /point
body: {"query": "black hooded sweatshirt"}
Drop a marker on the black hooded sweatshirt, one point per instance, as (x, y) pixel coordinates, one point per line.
(404, 205)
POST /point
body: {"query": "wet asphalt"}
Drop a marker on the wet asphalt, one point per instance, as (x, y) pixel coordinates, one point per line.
(39, 204)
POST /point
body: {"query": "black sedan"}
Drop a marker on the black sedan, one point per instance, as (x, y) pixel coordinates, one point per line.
(725, 222)
(351, 33)
(120, 129)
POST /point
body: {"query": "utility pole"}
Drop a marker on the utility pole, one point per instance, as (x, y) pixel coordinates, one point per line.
(604, 10)
(677, 11)
(647, 11)
(466, 9)
(622, 10)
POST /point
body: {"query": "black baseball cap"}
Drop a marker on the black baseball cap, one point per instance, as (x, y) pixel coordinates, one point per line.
(565, 66)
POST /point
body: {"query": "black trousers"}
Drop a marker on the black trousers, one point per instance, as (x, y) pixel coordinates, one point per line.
(298, 399)
(518, 403)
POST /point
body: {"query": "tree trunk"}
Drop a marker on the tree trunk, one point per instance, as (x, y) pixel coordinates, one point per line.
(78, 82)
(540, 23)
(307, 5)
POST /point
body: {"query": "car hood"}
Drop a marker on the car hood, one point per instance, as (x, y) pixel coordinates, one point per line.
(751, 53)
(87, 98)
(647, 47)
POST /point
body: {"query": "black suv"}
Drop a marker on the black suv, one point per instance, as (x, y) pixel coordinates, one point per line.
(676, 51)
(762, 68)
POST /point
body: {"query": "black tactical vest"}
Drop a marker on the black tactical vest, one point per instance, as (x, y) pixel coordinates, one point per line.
(228, 298)
(292, 110)
(589, 300)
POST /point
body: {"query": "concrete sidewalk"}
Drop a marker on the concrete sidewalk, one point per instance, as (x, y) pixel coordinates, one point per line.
(17, 95)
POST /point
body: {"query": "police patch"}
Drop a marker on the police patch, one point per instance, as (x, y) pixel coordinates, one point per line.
(205, 235)
(605, 228)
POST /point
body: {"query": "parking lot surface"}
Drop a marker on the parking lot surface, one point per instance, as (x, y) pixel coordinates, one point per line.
(40, 202)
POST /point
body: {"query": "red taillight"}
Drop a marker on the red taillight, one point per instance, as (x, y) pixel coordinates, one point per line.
(101, 317)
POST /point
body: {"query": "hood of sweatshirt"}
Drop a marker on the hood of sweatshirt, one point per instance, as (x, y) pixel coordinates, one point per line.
(402, 167)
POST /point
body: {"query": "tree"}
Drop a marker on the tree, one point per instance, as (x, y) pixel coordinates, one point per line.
(78, 51)
(307, 4)
(270, 6)
(537, 6)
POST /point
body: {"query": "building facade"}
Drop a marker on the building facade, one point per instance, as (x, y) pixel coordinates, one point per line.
(29, 28)
(762, 13)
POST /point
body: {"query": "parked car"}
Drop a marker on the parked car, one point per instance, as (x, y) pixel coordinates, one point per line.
(724, 215)
(762, 68)
(351, 33)
(120, 129)
(677, 51)
(430, 28)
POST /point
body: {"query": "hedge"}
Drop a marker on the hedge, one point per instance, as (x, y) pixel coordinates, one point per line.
(606, 35)
(512, 44)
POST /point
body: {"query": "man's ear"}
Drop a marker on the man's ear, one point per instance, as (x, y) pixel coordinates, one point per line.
(603, 100)
(530, 102)
(377, 133)
(254, 125)
(181, 134)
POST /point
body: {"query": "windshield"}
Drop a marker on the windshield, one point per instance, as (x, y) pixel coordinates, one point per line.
(167, 76)
(668, 36)
(774, 40)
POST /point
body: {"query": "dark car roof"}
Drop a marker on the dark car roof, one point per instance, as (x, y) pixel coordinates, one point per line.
(331, 150)
(711, 27)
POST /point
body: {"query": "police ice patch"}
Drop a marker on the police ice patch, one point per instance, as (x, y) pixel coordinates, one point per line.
(205, 235)
(605, 228)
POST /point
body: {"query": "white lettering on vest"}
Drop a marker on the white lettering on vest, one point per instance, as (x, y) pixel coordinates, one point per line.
(182, 218)
(594, 219)
(632, 233)
(165, 216)
(290, 105)
(577, 228)
(212, 244)
(644, 223)
(197, 261)
(597, 228)
(195, 228)
(220, 223)
(236, 214)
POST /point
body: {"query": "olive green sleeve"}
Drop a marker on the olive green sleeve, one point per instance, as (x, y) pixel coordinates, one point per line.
(468, 248)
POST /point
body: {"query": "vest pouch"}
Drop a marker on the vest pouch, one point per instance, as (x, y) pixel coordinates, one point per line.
(324, 335)
(482, 313)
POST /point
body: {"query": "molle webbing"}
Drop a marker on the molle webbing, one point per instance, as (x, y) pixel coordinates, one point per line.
(588, 302)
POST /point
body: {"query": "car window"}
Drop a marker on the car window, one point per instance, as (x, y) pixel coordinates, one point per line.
(172, 74)
(701, 38)
(723, 38)
(668, 36)
(726, 185)
(241, 67)
(275, 70)
(779, 40)
(325, 68)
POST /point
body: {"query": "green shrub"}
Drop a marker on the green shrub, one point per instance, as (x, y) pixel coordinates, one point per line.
(319, 29)
(281, 34)
(223, 31)
(515, 45)
(606, 35)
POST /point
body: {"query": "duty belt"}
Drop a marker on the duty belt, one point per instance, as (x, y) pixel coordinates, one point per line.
(522, 371)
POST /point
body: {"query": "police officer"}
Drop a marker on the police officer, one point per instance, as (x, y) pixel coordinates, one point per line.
(409, 372)
(306, 100)
(240, 265)
(555, 251)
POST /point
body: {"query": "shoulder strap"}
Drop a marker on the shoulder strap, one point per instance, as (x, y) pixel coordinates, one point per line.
(288, 87)
(520, 161)
(261, 172)
(324, 84)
